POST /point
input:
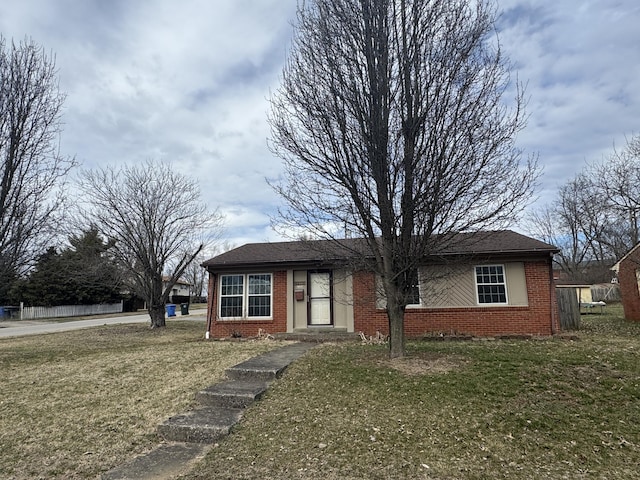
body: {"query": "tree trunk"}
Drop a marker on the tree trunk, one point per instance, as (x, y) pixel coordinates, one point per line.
(157, 300)
(156, 312)
(396, 330)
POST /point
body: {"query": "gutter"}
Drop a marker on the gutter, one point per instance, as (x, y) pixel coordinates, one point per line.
(212, 279)
(552, 293)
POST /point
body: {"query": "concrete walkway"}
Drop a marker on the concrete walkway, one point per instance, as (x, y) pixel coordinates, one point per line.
(190, 435)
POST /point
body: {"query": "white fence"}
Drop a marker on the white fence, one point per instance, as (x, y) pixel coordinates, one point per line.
(31, 313)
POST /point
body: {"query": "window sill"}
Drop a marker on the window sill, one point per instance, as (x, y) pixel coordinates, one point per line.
(486, 306)
(244, 320)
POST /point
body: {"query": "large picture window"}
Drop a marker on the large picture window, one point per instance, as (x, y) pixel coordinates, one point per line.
(245, 296)
(491, 285)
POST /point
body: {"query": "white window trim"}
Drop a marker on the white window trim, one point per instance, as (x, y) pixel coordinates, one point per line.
(504, 275)
(381, 299)
(419, 304)
(245, 297)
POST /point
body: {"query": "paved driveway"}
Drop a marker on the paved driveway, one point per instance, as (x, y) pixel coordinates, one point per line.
(26, 327)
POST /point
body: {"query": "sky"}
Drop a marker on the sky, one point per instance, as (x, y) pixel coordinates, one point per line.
(188, 82)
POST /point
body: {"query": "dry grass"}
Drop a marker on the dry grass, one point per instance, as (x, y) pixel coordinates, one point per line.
(540, 409)
(76, 404)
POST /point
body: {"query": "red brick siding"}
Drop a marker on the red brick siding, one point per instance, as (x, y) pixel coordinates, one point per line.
(629, 286)
(539, 318)
(249, 328)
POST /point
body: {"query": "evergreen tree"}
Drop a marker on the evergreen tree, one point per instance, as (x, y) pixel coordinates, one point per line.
(82, 274)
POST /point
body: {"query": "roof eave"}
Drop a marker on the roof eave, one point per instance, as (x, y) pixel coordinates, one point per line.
(274, 265)
(327, 263)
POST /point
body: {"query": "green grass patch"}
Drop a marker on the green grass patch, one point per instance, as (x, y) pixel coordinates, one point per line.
(76, 404)
(536, 409)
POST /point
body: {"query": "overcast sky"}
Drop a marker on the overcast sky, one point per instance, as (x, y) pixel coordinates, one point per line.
(188, 82)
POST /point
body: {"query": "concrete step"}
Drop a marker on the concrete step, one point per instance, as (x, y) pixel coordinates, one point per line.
(203, 425)
(318, 336)
(270, 365)
(321, 329)
(167, 461)
(261, 372)
(232, 393)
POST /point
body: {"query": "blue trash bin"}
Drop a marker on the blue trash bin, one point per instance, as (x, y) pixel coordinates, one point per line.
(171, 310)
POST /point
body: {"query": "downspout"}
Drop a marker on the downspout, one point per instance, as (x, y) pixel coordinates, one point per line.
(552, 295)
(211, 292)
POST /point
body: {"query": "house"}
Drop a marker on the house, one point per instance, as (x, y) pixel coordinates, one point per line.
(491, 283)
(628, 277)
(179, 291)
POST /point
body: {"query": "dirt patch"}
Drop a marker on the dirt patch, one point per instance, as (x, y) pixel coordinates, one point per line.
(425, 364)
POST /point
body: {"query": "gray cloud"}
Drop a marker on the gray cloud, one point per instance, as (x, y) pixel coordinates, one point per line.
(189, 81)
(582, 65)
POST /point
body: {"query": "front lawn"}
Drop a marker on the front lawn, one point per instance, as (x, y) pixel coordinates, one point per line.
(76, 404)
(536, 409)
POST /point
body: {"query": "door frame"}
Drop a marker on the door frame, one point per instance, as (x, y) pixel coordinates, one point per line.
(330, 297)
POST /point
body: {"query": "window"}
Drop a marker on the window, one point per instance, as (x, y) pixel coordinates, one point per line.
(413, 297)
(231, 295)
(245, 296)
(491, 285)
(259, 295)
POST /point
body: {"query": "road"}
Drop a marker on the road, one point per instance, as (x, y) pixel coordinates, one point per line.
(26, 327)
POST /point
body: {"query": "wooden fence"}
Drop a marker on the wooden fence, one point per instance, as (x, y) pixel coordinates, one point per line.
(568, 308)
(606, 293)
(32, 313)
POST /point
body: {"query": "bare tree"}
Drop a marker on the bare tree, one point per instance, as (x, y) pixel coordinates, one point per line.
(391, 122)
(579, 223)
(157, 220)
(617, 179)
(196, 276)
(595, 218)
(30, 164)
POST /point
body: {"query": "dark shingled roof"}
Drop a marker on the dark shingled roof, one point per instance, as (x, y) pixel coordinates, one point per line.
(327, 251)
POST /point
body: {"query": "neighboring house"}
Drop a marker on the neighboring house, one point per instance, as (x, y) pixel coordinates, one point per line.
(583, 292)
(179, 291)
(628, 276)
(179, 294)
(492, 283)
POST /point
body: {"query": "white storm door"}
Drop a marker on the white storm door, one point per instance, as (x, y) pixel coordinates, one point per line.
(320, 298)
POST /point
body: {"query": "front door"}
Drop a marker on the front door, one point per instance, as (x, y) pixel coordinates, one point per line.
(320, 298)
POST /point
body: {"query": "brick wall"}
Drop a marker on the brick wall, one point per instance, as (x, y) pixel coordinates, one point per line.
(249, 328)
(538, 318)
(629, 285)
